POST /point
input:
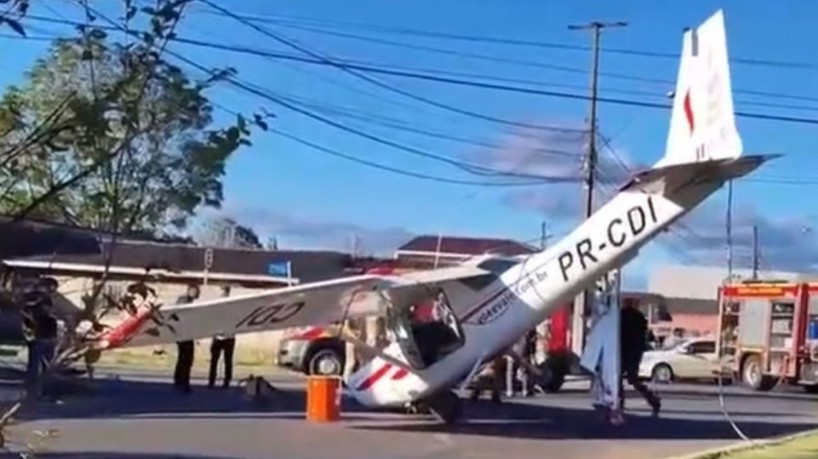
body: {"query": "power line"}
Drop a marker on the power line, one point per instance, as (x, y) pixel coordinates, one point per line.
(536, 64)
(468, 167)
(484, 85)
(348, 68)
(293, 22)
(762, 62)
(367, 67)
(351, 71)
(397, 124)
(401, 171)
(339, 154)
(408, 128)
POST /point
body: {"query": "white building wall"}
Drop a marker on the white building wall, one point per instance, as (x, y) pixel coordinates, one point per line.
(702, 282)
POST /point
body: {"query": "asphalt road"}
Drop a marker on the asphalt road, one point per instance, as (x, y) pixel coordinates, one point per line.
(138, 416)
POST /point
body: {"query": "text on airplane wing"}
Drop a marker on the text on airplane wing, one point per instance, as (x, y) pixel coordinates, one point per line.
(321, 303)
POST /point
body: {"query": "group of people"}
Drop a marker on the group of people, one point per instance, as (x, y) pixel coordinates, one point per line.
(222, 345)
(505, 372)
(634, 333)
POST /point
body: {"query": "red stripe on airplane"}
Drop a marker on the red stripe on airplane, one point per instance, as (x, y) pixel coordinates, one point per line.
(400, 374)
(375, 377)
(691, 122)
(121, 334)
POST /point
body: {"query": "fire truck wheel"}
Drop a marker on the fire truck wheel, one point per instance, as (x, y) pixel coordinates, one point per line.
(662, 374)
(752, 375)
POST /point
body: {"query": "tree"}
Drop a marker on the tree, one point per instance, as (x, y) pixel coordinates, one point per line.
(227, 232)
(140, 123)
(107, 133)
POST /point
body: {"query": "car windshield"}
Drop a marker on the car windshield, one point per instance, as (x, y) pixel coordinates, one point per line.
(672, 346)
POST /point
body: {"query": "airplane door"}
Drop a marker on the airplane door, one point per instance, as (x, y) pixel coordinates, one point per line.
(427, 330)
(399, 324)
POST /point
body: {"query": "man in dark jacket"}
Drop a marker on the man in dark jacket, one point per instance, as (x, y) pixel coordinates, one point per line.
(185, 349)
(633, 332)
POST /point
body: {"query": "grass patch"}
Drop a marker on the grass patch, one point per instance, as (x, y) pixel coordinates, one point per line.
(805, 447)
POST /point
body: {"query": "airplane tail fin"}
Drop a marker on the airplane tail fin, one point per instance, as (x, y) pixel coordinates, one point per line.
(703, 121)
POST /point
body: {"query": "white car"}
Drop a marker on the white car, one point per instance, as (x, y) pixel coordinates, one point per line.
(690, 359)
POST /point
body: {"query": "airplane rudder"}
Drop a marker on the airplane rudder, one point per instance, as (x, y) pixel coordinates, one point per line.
(703, 121)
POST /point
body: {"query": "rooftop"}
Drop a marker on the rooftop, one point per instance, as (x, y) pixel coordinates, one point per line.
(428, 245)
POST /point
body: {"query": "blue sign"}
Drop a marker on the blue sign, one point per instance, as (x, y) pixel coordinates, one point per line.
(279, 268)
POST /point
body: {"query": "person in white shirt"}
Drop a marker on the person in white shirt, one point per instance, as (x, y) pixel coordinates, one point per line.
(222, 343)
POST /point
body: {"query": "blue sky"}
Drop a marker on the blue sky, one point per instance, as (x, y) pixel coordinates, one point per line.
(310, 199)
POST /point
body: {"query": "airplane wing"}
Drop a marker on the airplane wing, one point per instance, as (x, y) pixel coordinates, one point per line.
(316, 304)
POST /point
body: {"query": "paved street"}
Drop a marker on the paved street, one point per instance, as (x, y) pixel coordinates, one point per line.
(139, 417)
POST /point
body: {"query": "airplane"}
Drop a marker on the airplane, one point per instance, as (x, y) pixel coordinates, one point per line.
(487, 304)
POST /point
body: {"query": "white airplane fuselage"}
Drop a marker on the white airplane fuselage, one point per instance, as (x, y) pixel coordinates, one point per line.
(526, 294)
(523, 297)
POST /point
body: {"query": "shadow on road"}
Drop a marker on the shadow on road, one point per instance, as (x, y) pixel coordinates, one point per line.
(146, 400)
(738, 393)
(543, 422)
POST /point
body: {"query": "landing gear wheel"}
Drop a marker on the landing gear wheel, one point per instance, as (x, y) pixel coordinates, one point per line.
(446, 406)
(417, 408)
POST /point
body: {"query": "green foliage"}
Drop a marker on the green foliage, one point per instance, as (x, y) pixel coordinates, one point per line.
(134, 139)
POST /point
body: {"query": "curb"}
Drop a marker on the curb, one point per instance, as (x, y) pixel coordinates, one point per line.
(715, 453)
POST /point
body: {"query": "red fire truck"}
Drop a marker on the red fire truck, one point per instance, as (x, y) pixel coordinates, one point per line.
(769, 333)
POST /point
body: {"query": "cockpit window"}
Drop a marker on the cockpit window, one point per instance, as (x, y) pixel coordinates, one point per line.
(497, 266)
(480, 282)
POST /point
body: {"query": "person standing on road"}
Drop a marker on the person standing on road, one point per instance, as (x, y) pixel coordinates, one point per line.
(523, 349)
(633, 329)
(222, 343)
(492, 376)
(185, 349)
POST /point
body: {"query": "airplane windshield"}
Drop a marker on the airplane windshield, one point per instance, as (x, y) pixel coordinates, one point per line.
(433, 328)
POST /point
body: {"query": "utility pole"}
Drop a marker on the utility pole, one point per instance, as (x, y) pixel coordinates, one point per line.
(582, 303)
(729, 228)
(755, 252)
(544, 235)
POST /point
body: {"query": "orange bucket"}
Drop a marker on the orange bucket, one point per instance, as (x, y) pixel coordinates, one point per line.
(323, 398)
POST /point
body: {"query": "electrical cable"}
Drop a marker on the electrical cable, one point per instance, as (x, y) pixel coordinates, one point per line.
(333, 152)
(350, 69)
(484, 85)
(289, 21)
(437, 77)
(405, 172)
(471, 168)
(558, 67)
(401, 125)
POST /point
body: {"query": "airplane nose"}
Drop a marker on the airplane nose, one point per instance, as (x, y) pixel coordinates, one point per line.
(379, 383)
